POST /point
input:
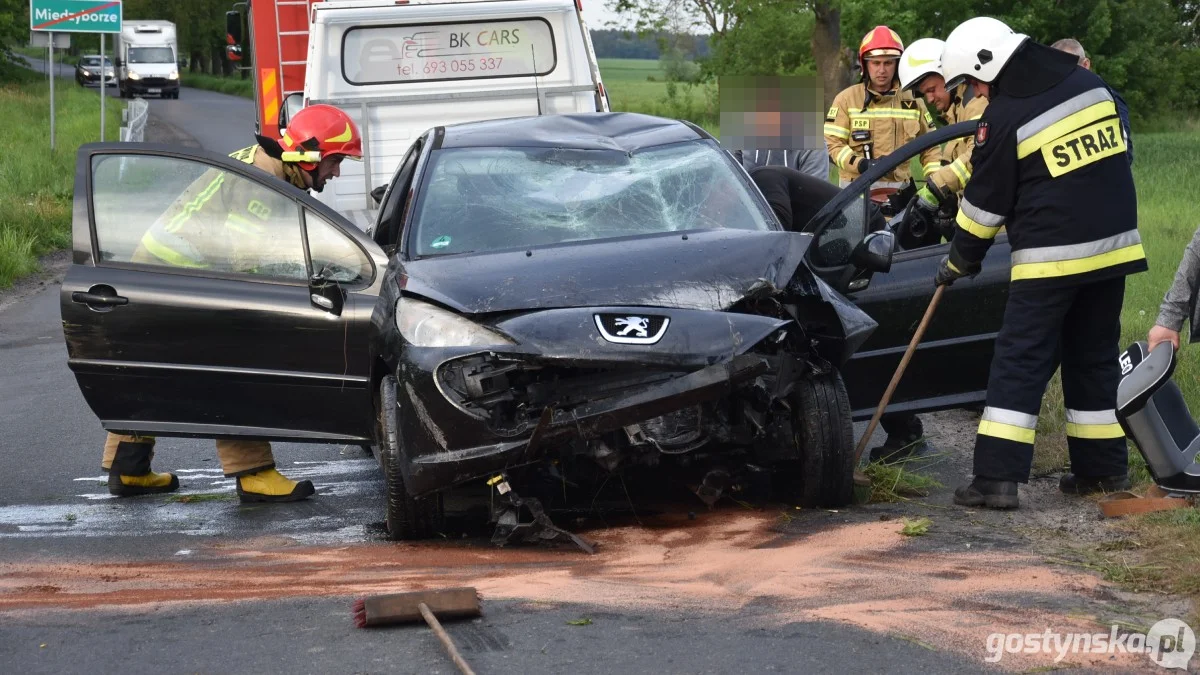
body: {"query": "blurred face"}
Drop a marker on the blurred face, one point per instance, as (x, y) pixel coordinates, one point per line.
(933, 88)
(981, 88)
(766, 124)
(881, 71)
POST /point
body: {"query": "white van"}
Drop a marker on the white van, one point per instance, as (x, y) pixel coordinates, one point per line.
(147, 59)
(399, 69)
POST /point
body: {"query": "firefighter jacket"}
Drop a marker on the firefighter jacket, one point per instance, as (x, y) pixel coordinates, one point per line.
(220, 220)
(862, 120)
(1050, 165)
(956, 155)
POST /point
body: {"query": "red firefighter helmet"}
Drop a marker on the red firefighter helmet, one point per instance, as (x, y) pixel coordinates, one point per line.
(319, 131)
(881, 42)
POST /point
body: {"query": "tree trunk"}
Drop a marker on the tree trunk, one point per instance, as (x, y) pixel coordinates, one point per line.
(827, 49)
(194, 61)
(218, 58)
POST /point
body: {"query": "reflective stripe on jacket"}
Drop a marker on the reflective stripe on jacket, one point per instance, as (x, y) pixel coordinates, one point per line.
(860, 117)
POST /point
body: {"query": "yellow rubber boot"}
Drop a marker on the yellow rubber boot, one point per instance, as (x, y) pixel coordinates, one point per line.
(269, 485)
(130, 474)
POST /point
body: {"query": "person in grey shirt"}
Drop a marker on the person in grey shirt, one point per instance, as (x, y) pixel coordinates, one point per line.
(812, 161)
(774, 121)
(1180, 302)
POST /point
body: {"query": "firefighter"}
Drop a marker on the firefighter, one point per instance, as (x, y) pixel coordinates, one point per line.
(921, 72)
(874, 117)
(1050, 166)
(212, 222)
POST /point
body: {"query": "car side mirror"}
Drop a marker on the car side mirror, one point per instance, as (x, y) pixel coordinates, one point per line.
(291, 105)
(874, 252)
(377, 194)
(233, 28)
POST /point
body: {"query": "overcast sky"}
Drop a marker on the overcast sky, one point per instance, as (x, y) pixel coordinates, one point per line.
(597, 14)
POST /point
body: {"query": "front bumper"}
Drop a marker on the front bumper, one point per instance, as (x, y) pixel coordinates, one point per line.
(152, 86)
(94, 78)
(457, 460)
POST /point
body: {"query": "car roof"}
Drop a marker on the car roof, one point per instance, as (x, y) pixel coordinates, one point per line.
(626, 132)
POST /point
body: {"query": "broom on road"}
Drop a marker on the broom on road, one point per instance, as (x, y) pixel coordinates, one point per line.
(861, 481)
(449, 603)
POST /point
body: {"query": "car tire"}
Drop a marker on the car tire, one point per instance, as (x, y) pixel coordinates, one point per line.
(823, 475)
(407, 517)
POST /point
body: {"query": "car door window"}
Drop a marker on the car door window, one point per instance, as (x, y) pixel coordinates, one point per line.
(187, 215)
(334, 255)
(387, 232)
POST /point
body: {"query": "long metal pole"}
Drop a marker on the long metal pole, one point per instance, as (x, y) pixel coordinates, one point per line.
(103, 60)
(52, 78)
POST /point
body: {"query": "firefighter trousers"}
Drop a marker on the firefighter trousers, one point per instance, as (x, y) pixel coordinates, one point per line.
(1078, 328)
(238, 457)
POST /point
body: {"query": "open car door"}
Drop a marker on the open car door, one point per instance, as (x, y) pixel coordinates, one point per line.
(207, 298)
(950, 367)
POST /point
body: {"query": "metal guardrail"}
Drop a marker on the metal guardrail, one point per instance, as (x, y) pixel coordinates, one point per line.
(133, 118)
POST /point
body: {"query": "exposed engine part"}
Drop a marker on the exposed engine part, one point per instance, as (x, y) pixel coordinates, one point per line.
(713, 486)
(604, 455)
(675, 433)
(507, 513)
(750, 482)
(512, 393)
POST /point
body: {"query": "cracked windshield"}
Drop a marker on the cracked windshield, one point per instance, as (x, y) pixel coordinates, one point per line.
(484, 199)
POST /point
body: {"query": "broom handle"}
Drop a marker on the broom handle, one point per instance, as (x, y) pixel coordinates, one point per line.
(891, 388)
(445, 638)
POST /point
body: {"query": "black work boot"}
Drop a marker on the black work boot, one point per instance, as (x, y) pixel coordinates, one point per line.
(906, 437)
(1073, 484)
(130, 474)
(994, 494)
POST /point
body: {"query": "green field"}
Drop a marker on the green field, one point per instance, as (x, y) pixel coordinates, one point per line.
(36, 184)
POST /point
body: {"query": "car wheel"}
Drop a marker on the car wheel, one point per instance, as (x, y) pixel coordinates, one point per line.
(823, 474)
(408, 517)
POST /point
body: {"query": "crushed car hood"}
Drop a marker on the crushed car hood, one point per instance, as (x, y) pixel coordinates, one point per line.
(710, 270)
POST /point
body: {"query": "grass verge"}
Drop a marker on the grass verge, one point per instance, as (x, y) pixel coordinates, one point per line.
(36, 184)
(234, 86)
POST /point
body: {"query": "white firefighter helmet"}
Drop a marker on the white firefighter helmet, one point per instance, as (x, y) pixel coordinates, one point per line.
(979, 48)
(920, 59)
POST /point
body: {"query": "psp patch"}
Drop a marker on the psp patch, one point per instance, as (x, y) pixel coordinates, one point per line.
(981, 134)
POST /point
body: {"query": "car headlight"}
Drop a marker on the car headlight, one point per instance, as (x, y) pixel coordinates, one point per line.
(174, 75)
(425, 325)
(134, 76)
(85, 72)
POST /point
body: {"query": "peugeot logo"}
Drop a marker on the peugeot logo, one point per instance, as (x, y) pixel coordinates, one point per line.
(631, 330)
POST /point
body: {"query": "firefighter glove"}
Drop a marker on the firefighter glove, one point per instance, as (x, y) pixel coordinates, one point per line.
(947, 273)
(864, 165)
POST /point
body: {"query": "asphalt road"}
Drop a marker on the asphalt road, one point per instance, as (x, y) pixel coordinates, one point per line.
(55, 510)
(216, 122)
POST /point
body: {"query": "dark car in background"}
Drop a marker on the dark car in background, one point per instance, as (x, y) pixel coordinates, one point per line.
(89, 70)
(581, 295)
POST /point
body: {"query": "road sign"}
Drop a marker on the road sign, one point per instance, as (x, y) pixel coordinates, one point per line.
(40, 39)
(75, 16)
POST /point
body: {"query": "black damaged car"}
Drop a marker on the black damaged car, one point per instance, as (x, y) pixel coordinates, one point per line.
(578, 294)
